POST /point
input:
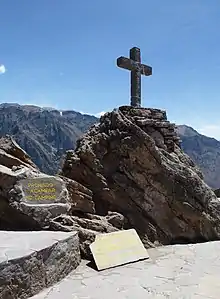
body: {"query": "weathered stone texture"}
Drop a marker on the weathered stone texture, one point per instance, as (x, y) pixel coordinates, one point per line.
(154, 122)
(133, 164)
(32, 261)
(11, 154)
(88, 226)
(80, 197)
(71, 209)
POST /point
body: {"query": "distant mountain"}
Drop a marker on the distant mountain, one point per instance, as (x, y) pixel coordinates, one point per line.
(44, 133)
(204, 151)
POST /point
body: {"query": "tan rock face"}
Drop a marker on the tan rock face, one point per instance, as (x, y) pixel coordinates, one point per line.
(133, 164)
(11, 154)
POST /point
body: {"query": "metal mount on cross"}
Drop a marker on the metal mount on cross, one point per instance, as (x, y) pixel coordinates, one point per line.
(137, 69)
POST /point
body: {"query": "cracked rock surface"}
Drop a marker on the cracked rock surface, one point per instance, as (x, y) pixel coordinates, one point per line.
(175, 272)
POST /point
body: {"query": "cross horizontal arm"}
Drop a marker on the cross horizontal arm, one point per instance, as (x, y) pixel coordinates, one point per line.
(132, 65)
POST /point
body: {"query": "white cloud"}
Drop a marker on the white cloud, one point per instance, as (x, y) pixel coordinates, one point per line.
(2, 69)
(99, 114)
(210, 130)
(82, 112)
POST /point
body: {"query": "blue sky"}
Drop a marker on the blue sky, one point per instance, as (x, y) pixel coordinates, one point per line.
(63, 54)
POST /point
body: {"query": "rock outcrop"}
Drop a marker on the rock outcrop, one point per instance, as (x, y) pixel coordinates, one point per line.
(12, 155)
(32, 200)
(133, 164)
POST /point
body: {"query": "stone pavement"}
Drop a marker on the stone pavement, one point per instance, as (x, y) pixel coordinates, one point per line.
(176, 271)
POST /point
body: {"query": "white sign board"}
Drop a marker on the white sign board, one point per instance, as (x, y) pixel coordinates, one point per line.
(117, 248)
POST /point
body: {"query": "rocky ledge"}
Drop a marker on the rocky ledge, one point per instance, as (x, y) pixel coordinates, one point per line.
(32, 261)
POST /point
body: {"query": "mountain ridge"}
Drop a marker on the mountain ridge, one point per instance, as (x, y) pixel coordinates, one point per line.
(204, 151)
(46, 133)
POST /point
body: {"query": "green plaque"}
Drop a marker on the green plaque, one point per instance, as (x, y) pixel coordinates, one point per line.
(41, 190)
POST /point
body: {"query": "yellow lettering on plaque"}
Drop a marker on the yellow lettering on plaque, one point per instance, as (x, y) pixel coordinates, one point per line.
(41, 191)
(40, 185)
(49, 190)
(117, 248)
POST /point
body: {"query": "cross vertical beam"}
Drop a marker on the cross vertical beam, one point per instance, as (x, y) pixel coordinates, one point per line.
(137, 69)
(135, 55)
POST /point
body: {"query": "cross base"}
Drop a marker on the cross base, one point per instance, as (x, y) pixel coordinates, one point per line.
(135, 102)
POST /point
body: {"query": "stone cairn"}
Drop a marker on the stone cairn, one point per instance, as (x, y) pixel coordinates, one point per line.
(154, 122)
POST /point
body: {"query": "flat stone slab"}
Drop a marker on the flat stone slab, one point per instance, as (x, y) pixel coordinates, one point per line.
(32, 261)
(117, 248)
(177, 272)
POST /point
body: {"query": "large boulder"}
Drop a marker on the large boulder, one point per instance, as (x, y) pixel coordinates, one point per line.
(32, 200)
(133, 163)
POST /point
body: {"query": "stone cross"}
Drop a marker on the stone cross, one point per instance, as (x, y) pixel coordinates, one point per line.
(137, 69)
